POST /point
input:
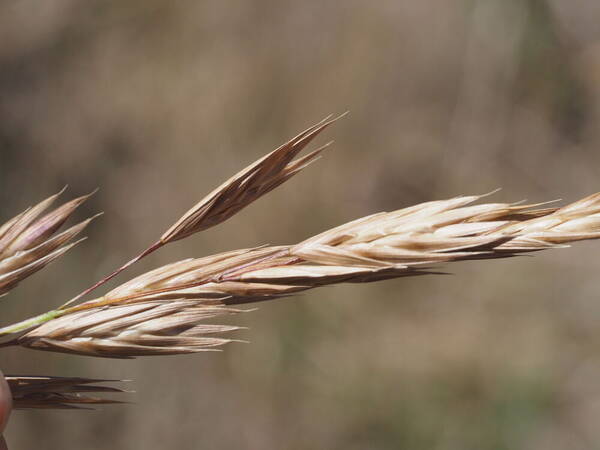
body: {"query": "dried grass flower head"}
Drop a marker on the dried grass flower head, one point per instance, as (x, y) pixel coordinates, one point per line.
(29, 242)
(165, 311)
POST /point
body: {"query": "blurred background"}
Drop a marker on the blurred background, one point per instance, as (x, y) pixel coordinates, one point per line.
(158, 102)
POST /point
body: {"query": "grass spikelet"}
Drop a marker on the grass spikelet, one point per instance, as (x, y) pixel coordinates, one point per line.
(165, 311)
(29, 243)
(40, 392)
(130, 330)
(235, 194)
(161, 312)
(248, 185)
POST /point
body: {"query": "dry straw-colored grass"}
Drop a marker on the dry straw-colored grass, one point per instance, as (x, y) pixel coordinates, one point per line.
(31, 392)
(28, 242)
(164, 311)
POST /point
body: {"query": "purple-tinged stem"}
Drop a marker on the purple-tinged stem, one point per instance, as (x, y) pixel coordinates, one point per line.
(151, 249)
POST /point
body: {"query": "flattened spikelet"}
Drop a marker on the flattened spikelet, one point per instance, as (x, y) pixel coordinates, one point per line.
(40, 392)
(248, 185)
(28, 243)
(127, 331)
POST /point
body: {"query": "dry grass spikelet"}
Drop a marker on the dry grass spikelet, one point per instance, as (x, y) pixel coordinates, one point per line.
(164, 311)
(39, 392)
(161, 312)
(29, 242)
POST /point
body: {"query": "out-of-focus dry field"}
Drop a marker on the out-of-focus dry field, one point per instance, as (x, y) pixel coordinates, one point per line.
(157, 102)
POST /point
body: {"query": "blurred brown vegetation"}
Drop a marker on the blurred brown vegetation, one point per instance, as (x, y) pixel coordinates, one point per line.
(157, 102)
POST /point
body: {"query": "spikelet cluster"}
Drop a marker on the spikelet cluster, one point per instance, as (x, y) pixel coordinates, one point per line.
(160, 312)
(170, 310)
(38, 392)
(29, 242)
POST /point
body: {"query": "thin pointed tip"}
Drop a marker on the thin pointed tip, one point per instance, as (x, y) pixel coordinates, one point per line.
(95, 216)
(333, 118)
(495, 191)
(86, 196)
(83, 198)
(73, 244)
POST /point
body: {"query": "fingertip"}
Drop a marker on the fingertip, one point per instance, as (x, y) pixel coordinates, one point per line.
(5, 403)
